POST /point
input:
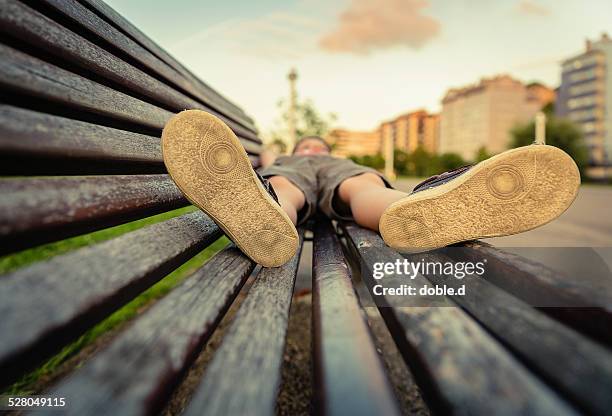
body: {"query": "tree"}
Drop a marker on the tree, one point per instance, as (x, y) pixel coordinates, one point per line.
(421, 162)
(450, 161)
(309, 121)
(374, 161)
(401, 161)
(482, 154)
(561, 133)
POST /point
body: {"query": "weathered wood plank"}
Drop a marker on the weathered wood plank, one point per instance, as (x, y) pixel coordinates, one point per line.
(26, 134)
(90, 22)
(244, 375)
(571, 300)
(35, 78)
(458, 365)
(33, 211)
(349, 377)
(34, 143)
(137, 372)
(48, 304)
(28, 25)
(580, 368)
(125, 26)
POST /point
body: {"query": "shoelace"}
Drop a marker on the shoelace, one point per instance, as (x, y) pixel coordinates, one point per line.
(268, 187)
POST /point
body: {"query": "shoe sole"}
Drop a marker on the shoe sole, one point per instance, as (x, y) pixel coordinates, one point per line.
(209, 165)
(515, 191)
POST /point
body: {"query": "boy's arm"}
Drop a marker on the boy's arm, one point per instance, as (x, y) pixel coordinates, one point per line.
(267, 158)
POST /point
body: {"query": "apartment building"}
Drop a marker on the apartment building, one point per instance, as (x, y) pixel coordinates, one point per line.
(411, 130)
(483, 114)
(585, 97)
(354, 143)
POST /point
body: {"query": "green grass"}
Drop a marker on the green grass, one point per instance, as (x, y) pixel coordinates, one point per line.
(27, 383)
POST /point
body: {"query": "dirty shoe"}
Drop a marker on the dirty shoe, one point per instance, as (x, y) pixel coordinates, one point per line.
(209, 165)
(512, 192)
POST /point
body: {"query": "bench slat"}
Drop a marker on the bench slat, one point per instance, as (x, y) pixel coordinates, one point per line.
(159, 346)
(33, 143)
(48, 304)
(244, 375)
(125, 26)
(42, 32)
(589, 308)
(31, 76)
(72, 146)
(90, 22)
(33, 211)
(561, 355)
(460, 367)
(349, 377)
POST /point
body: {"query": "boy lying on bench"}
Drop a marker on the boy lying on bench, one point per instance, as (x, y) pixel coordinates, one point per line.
(512, 192)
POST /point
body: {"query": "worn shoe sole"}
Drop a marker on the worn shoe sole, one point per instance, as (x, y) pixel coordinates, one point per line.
(209, 165)
(515, 191)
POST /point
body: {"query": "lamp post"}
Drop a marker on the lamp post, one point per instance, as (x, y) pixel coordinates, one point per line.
(292, 99)
(540, 128)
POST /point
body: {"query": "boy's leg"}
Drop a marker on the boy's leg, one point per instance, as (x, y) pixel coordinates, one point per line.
(368, 197)
(512, 192)
(290, 197)
(209, 165)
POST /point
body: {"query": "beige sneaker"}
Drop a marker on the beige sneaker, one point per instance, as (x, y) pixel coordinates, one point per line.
(209, 165)
(512, 192)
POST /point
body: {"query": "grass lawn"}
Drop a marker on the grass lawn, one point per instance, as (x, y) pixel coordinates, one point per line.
(14, 261)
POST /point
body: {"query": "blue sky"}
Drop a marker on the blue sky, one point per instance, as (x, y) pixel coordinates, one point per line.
(365, 60)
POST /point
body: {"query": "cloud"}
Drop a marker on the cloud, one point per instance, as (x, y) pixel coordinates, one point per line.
(531, 8)
(378, 24)
(276, 36)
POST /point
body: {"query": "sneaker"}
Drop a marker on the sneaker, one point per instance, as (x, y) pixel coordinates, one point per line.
(512, 192)
(209, 165)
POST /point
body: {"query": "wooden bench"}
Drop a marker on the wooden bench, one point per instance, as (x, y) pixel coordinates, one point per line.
(84, 98)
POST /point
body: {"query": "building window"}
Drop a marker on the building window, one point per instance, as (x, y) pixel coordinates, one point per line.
(583, 88)
(581, 101)
(583, 115)
(583, 75)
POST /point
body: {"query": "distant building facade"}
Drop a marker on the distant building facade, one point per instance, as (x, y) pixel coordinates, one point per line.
(407, 132)
(585, 97)
(482, 115)
(354, 143)
(411, 130)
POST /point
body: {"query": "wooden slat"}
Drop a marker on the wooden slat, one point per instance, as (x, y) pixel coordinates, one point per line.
(137, 372)
(31, 76)
(124, 25)
(33, 211)
(34, 143)
(70, 146)
(349, 377)
(244, 375)
(48, 304)
(580, 304)
(459, 366)
(18, 20)
(90, 22)
(585, 375)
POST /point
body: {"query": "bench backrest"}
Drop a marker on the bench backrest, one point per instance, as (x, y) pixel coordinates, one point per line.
(84, 97)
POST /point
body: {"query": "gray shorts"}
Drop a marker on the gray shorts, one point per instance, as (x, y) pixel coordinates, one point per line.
(318, 177)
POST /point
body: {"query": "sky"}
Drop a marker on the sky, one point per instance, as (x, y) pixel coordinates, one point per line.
(365, 60)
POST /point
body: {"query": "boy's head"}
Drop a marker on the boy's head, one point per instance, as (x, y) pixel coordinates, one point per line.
(311, 145)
